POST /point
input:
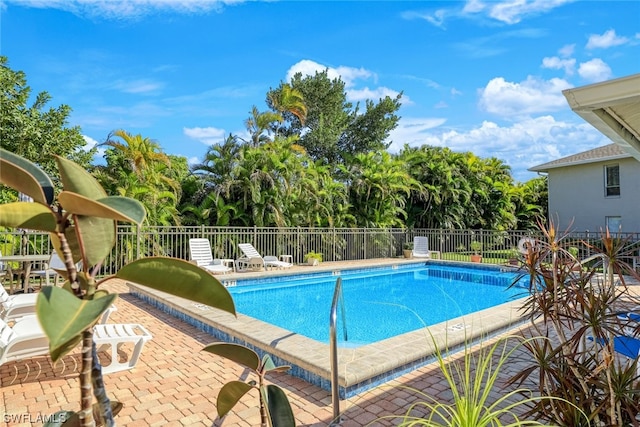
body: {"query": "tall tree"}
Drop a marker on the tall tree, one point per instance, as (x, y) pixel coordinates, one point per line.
(334, 130)
(138, 168)
(32, 131)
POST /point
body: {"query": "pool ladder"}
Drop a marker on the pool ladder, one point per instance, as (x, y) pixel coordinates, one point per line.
(333, 348)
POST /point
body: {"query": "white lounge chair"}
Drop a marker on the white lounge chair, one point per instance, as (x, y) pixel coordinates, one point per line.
(49, 268)
(252, 260)
(421, 247)
(200, 253)
(26, 339)
(14, 307)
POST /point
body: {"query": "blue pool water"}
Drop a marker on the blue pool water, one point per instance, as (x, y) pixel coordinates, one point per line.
(379, 303)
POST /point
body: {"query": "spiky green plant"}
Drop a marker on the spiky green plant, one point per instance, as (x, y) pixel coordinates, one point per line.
(474, 383)
(575, 309)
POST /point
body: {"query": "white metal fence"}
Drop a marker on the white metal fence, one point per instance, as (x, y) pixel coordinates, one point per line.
(335, 244)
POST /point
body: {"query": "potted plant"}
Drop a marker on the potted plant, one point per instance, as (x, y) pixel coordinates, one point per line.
(476, 247)
(313, 258)
(408, 250)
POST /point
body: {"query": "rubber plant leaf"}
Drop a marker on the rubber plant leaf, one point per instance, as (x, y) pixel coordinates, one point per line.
(113, 207)
(278, 407)
(77, 180)
(180, 278)
(269, 366)
(22, 175)
(237, 353)
(229, 395)
(64, 317)
(98, 235)
(30, 216)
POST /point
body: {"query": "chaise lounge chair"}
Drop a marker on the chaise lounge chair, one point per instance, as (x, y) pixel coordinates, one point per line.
(26, 339)
(49, 268)
(421, 247)
(14, 306)
(201, 255)
(252, 260)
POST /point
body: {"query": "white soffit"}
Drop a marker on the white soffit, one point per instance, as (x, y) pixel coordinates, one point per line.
(612, 107)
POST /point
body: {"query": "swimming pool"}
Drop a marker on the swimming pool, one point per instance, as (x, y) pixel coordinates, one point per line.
(378, 303)
(361, 367)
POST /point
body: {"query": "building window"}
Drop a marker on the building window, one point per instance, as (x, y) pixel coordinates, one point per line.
(612, 180)
(614, 223)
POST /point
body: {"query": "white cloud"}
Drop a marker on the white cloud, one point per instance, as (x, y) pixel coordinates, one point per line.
(207, 136)
(608, 39)
(347, 74)
(506, 11)
(568, 65)
(594, 71)
(509, 99)
(126, 9)
(90, 143)
(374, 94)
(513, 11)
(138, 86)
(350, 76)
(566, 51)
(521, 145)
(412, 131)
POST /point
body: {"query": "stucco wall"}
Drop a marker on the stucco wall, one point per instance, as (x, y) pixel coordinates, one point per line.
(577, 193)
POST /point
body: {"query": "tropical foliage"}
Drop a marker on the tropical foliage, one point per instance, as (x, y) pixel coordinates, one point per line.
(311, 159)
(575, 315)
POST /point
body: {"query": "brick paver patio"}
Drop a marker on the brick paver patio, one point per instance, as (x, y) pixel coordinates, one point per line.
(176, 384)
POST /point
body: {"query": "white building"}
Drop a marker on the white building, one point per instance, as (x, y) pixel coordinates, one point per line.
(600, 187)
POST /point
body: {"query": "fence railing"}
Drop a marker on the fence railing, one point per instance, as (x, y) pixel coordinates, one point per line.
(335, 244)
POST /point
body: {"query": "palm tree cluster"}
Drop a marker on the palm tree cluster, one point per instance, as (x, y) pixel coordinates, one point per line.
(315, 161)
(311, 159)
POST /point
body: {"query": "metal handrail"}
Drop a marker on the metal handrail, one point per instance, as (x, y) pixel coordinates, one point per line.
(333, 349)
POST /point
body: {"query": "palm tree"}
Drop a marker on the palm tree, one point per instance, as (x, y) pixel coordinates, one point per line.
(258, 123)
(286, 99)
(138, 151)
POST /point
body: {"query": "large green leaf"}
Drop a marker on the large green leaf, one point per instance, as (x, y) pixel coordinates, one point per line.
(238, 353)
(77, 180)
(180, 278)
(31, 216)
(64, 317)
(113, 207)
(229, 395)
(24, 176)
(98, 235)
(278, 407)
(269, 366)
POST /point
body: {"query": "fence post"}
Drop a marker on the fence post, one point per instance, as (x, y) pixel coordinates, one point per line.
(138, 239)
(364, 243)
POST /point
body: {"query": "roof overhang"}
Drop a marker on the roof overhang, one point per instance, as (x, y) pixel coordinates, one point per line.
(612, 107)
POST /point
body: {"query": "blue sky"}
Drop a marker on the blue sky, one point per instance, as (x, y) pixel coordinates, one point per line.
(480, 76)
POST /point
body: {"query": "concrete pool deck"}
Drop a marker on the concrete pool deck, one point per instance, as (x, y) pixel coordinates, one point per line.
(176, 384)
(360, 368)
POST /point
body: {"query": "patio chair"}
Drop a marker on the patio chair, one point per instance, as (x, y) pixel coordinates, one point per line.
(49, 268)
(26, 339)
(626, 346)
(14, 307)
(201, 255)
(252, 260)
(421, 247)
